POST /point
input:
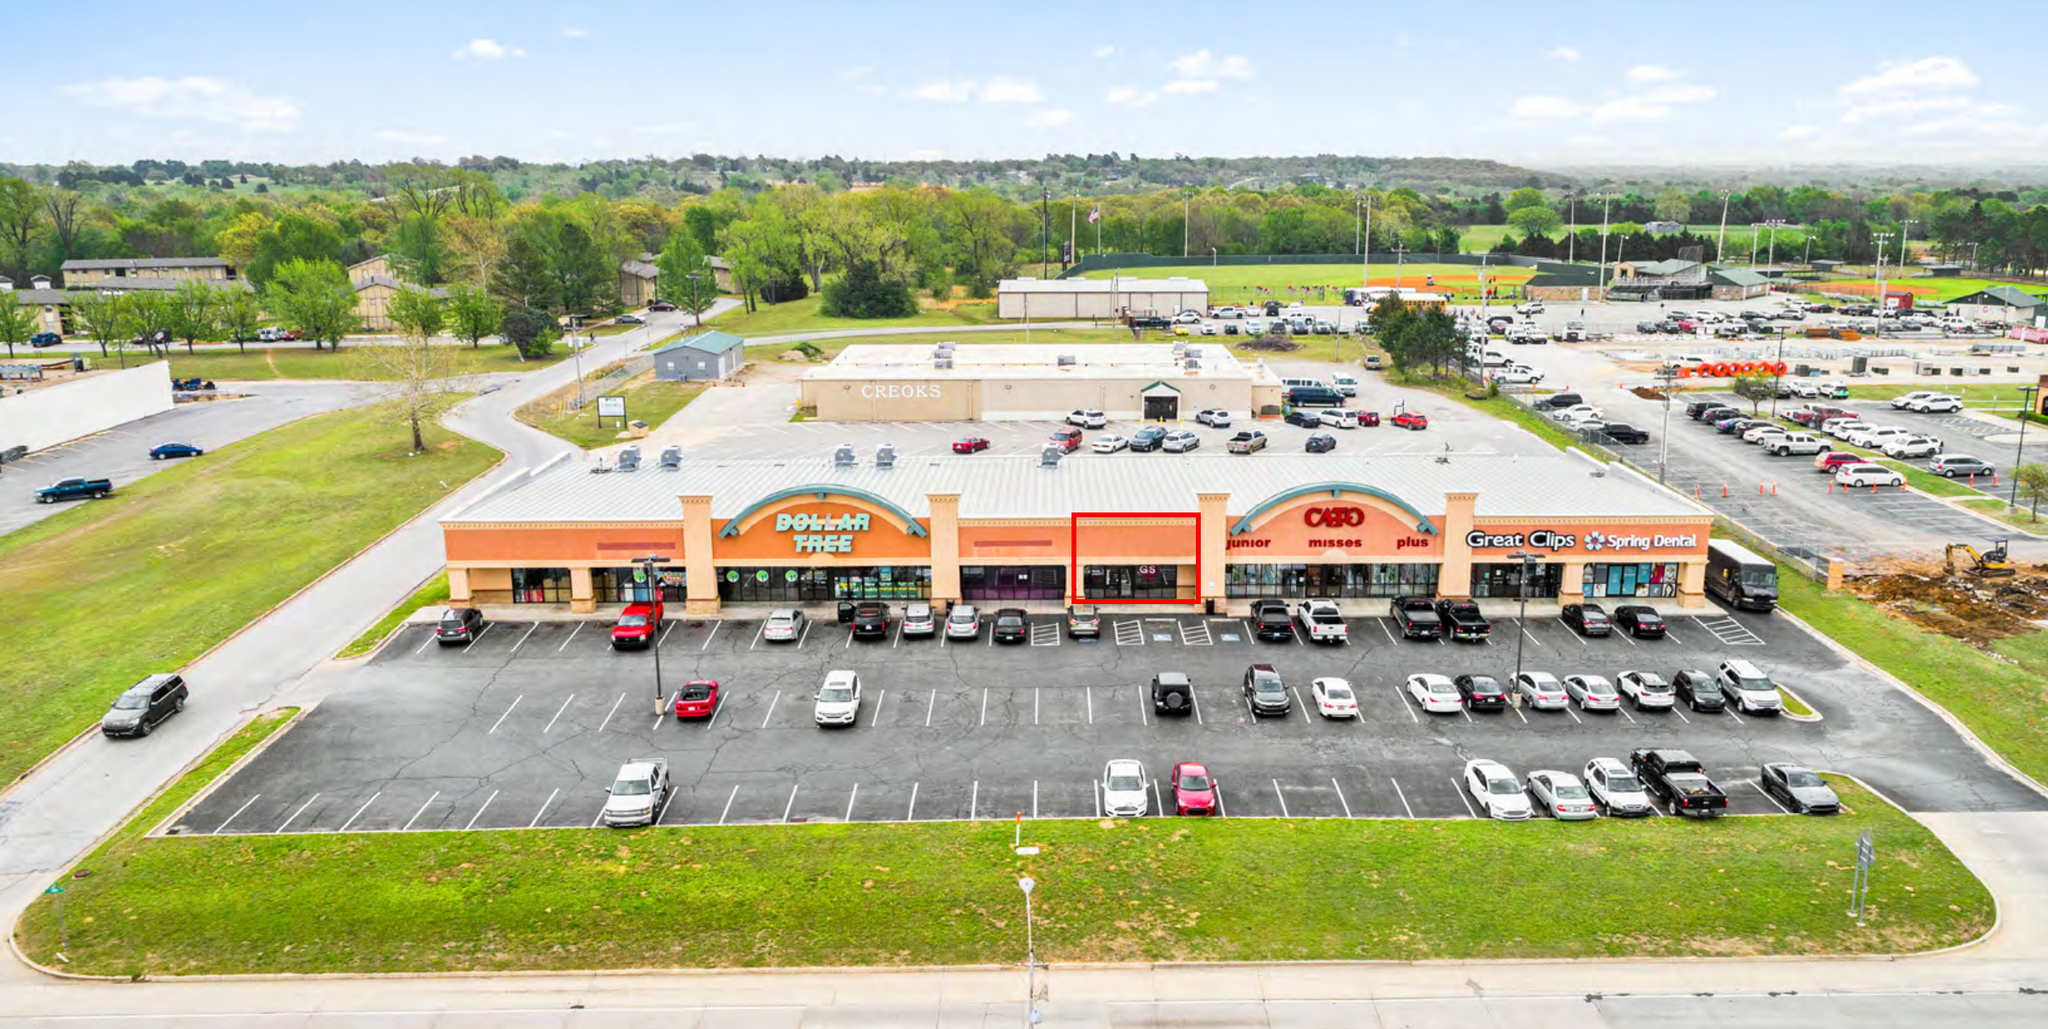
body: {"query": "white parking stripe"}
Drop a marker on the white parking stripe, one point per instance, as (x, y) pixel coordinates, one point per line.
(608, 715)
(984, 705)
(480, 635)
(522, 639)
(1729, 710)
(1575, 715)
(974, 802)
(544, 807)
(359, 811)
(911, 815)
(1407, 704)
(665, 802)
(787, 808)
(807, 635)
(1340, 796)
(1468, 800)
(771, 708)
(1158, 804)
(1767, 795)
(1403, 796)
(1628, 638)
(667, 706)
(1220, 812)
(245, 806)
(1383, 628)
(432, 635)
(423, 810)
(572, 636)
(1680, 714)
(480, 811)
(1034, 798)
(930, 706)
(1195, 701)
(1282, 796)
(728, 804)
(1089, 692)
(1302, 706)
(1624, 713)
(879, 701)
(849, 802)
(1034, 705)
(707, 640)
(558, 714)
(757, 635)
(508, 711)
(1674, 639)
(1097, 788)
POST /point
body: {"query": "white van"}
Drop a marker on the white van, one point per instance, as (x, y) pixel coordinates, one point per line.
(1304, 384)
(1345, 384)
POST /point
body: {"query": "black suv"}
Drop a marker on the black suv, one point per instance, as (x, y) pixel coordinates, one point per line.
(1463, 620)
(1623, 432)
(140, 707)
(1698, 690)
(1172, 693)
(1270, 620)
(1010, 626)
(1417, 618)
(1264, 691)
(459, 625)
(1558, 401)
(1148, 438)
(871, 618)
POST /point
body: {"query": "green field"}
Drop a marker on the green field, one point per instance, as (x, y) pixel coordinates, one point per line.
(1992, 396)
(1234, 284)
(944, 893)
(348, 363)
(178, 561)
(804, 316)
(647, 400)
(1926, 289)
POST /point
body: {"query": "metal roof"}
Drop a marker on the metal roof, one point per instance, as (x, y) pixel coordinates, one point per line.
(1544, 486)
(2001, 296)
(1122, 284)
(713, 342)
(973, 361)
(145, 262)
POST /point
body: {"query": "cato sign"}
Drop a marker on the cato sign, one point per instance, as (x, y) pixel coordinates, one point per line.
(1333, 517)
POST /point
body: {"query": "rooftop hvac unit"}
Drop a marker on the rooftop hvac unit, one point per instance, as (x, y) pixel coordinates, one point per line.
(1179, 347)
(885, 456)
(942, 363)
(844, 457)
(1192, 364)
(945, 345)
(629, 459)
(1194, 352)
(671, 459)
(1064, 360)
(1049, 456)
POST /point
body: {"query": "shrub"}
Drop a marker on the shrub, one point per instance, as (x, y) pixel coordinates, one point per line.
(863, 293)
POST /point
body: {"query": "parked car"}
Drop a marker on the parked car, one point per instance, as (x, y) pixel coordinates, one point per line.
(1333, 697)
(74, 489)
(1436, 694)
(963, 622)
(1010, 625)
(1904, 400)
(1194, 789)
(1795, 443)
(837, 701)
(1416, 617)
(870, 618)
(1588, 619)
(1180, 441)
(1271, 620)
(1799, 789)
(1322, 622)
(638, 625)
(1680, 780)
(970, 445)
(168, 450)
(1345, 384)
(1462, 620)
(1830, 461)
(1868, 475)
(142, 707)
(637, 794)
(1249, 441)
(1213, 417)
(44, 339)
(1640, 621)
(629, 318)
(661, 305)
(1698, 690)
(1616, 789)
(1083, 620)
(1264, 692)
(1088, 419)
(1541, 691)
(918, 620)
(1481, 693)
(1952, 465)
(1067, 440)
(1562, 796)
(1872, 437)
(1109, 443)
(1941, 403)
(1126, 791)
(1305, 419)
(1910, 446)
(1339, 419)
(459, 625)
(1757, 435)
(1622, 432)
(1414, 421)
(1148, 438)
(784, 624)
(1172, 693)
(1320, 443)
(1593, 692)
(696, 699)
(1646, 690)
(1745, 685)
(1496, 790)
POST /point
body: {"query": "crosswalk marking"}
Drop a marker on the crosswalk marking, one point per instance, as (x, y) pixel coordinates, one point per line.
(1730, 632)
(1130, 634)
(1045, 635)
(1196, 635)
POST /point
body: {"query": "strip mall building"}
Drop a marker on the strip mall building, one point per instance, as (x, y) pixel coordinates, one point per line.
(1141, 527)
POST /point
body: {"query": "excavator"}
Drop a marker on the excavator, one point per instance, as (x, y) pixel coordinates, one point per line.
(1987, 564)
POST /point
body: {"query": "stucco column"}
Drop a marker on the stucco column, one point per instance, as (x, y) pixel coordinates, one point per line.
(700, 587)
(1454, 579)
(1572, 588)
(1692, 584)
(458, 587)
(582, 598)
(945, 545)
(1215, 512)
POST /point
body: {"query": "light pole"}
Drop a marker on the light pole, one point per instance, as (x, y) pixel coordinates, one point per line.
(1604, 202)
(1809, 248)
(1031, 1014)
(1755, 232)
(1212, 262)
(1774, 224)
(1670, 374)
(1571, 245)
(1365, 249)
(1881, 238)
(2019, 450)
(1905, 243)
(576, 354)
(1721, 247)
(1973, 255)
(652, 563)
(1399, 250)
(1522, 620)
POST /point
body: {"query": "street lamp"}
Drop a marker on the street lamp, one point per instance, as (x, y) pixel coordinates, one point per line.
(1522, 620)
(2019, 450)
(1881, 238)
(1721, 247)
(1669, 374)
(1774, 224)
(1031, 1013)
(1400, 249)
(651, 564)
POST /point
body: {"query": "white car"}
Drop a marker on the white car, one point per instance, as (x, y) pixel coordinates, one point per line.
(1583, 422)
(1562, 795)
(1227, 311)
(637, 793)
(1867, 475)
(1088, 419)
(1937, 404)
(838, 700)
(1875, 436)
(1345, 385)
(1214, 417)
(1840, 428)
(1210, 329)
(1109, 444)
(1647, 690)
(1912, 446)
(1541, 691)
(1339, 419)
(1333, 698)
(1496, 790)
(1437, 694)
(1179, 441)
(1616, 789)
(1803, 390)
(1906, 400)
(784, 623)
(1187, 318)
(1579, 411)
(1126, 792)
(963, 623)
(1761, 433)
(1255, 327)
(1593, 692)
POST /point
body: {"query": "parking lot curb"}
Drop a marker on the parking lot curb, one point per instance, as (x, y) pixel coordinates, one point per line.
(1788, 691)
(1997, 909)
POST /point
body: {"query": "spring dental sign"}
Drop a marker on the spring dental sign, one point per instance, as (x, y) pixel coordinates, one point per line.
(822, 534)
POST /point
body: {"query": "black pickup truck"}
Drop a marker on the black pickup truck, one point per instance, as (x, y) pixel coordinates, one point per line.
(74, 489)
(1148, 321)
(1417, 618)
(1680, 780)
(1271, 620)
(1462, 620)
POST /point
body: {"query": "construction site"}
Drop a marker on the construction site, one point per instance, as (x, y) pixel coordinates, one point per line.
(1976, 595)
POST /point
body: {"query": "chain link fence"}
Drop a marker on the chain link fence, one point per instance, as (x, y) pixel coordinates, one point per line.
(618, 375)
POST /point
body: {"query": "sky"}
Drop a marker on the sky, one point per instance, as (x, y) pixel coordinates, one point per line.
(1540, 85)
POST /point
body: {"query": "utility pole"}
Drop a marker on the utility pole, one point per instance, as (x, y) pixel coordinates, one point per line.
(1032, 1016)
(1881, 238)
(1669, 374)
(1906, 243)
(1186, 212)
(1365, 249)
(1528, 568)
(1721, 248)
(1571, 246)
(652, 563)
(2019, 451)
(1044, 230)
(1604, 202)
(1399, 250)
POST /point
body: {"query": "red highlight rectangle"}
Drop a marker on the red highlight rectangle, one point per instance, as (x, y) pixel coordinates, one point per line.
(1074, 555)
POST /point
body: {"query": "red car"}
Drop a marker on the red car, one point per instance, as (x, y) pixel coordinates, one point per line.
(697, 699)
(636, 625)
(1194, 789)
(1068, 440)
(969, 445)
(1368, 419)
(1412, 420)
(661, 305)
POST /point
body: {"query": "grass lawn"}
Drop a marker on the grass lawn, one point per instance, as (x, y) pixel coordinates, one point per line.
(1997, 395)
(192, 553)
(434, 592)
(647, 400)
(2018, 517)
(1926, 289)
(945, 893)
(1232, 284)
(804, 316)
(348, 363)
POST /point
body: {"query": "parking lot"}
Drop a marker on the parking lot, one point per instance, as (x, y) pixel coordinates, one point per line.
(525, 727)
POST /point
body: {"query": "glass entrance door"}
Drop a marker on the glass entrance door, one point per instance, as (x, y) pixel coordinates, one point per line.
(1621, 580)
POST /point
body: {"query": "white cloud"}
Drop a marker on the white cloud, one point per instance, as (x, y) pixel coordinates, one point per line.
(1797, 132)
(191, 98)
(1651, 73)
(1897, 106)
(1048, 119)
(1546, 108)
(486, 50)
(1563, 53)
(1631, 109)
(1105, 51)
(410, 138)
(1011, 91)
(1130, 96)
(950, 92)
(1924, 74)
(1204, 65)
(1190, 86)
(1681, 94)
(574, 33)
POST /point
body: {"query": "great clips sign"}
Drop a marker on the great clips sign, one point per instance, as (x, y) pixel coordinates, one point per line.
(1585, 541)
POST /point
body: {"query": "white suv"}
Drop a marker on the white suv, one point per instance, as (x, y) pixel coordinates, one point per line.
(1939, 403)
(1867, 475)
(1912, 446)
(1748, 688)
(1088, 419)
(1906, 400)
(838, 700)
(1616, 789)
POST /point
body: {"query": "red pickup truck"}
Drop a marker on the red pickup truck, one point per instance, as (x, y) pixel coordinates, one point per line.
(637, 625)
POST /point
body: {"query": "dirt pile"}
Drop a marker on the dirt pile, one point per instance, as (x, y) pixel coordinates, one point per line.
(1647, 393)
(1961, 606)
(1272, 344)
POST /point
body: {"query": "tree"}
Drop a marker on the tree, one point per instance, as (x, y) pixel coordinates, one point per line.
(684, 277)
(1434, 339)
(473, 314)
(150, 316)
(521, 277)
(314, 299)
(17, 321)
(584, 277)
(104, 316)
(1527, 196)
(238, 315)
(533, 332)
(1535, 221)
(63, 205)
(419, 250)
(416, 367)
(195, 312)
(21, 214)
(1392, 321)
(862, 292)
(478, 242)
(1756, 389)
(2033, 483)
(293, 237)
(1673, 205)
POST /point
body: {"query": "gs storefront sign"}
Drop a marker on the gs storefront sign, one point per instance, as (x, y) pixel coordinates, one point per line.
(1591, 542)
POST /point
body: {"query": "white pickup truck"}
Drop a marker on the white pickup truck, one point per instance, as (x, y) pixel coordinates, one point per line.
(1322, 621)
(638, 793)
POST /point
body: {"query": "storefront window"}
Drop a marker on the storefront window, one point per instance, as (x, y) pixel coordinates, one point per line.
(823, 585)
(1330, 581)
(1646, 579)
(626, 585)
(1503, 580)
(1129, 582)
(1013, 582)
(540, 585)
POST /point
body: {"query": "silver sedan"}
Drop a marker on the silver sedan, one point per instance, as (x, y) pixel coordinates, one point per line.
(1593, 692)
